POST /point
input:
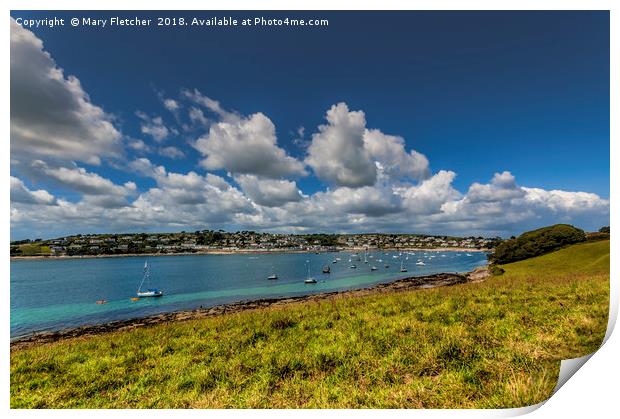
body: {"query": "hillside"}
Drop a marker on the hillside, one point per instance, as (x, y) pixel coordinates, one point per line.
(537, 242)
(495, 343)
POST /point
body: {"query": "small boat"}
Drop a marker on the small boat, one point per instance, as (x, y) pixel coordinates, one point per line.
(135, 298)
(326, 269)
(100, 302)
(387, 266)
(150, 292)
(309, 279)
(373, 268)
(335, 261)
(353, 266)
(420, 263)
(273, 275)
(402, 267)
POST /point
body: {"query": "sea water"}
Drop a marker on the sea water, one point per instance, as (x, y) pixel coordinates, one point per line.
(54, 294)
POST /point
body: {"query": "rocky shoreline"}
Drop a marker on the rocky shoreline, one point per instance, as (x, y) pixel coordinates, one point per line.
(405, 284)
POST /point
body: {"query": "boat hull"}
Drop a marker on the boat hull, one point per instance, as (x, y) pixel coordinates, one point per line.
(150, 294)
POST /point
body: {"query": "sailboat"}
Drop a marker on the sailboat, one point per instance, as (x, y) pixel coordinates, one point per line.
(402, 268)
(273, 275)
(309, 279)
(150, 292)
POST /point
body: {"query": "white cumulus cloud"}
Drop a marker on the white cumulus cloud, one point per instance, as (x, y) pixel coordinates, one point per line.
(247, 146)
(345, 153)
(269, 192)
(51, 114)
(21, 194)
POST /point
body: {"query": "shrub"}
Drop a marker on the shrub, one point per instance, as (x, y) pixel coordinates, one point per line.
(496, 270)
(536, 242)
(597, 236)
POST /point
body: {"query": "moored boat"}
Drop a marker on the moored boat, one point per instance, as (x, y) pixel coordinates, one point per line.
(149, 292)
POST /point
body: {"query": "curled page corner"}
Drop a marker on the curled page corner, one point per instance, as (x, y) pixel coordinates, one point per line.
(568, 367)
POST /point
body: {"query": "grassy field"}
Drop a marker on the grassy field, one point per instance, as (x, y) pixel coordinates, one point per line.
(34, 250)
(495, 343)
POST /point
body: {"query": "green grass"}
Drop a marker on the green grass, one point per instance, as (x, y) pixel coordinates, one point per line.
(34, 250)
(496, 343)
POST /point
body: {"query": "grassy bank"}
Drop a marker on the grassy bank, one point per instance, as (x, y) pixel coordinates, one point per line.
(495, 343)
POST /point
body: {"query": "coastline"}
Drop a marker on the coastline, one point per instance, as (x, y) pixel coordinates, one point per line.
(249, 251)
(406, 284)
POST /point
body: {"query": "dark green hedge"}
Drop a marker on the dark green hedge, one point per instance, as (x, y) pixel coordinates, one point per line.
(537, 242)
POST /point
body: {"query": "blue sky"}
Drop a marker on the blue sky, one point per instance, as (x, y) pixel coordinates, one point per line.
(521, 98)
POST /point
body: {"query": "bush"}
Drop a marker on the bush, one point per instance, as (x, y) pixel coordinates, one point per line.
(496, 270)
(537, 242)
(597, 236)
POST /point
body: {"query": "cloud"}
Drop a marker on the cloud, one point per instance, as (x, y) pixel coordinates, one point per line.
(337, 153)
(502, 187)
(171, 152)
(191, 188)
(503, 206)
(430, 195)
(51, 114)
(21, 194)
(153, 126)
(371, 201)
(392, 159)
(79, 180)
(269, 192)
(345, 153)
(567, 202)
(138, 145)
(191, 200)
(211, 104)
(172, 105)
(247, 146)
(198, 117)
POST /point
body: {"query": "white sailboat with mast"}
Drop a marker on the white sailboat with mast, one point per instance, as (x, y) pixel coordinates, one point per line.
(149, 292)
(309, 279)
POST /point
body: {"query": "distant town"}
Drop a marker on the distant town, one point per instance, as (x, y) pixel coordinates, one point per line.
(210, 241)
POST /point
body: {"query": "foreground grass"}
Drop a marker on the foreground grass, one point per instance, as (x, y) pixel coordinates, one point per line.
(495, 343)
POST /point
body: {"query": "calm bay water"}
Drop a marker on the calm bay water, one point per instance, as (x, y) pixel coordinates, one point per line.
(57, 294)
